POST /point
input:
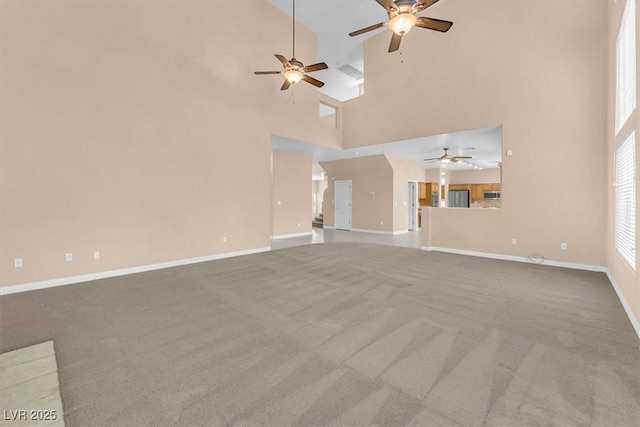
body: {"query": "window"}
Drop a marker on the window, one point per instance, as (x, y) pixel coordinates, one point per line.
(625, 206)
(626, 66)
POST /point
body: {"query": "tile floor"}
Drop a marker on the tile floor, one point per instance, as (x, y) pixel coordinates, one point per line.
(324, 235)
(29, 387)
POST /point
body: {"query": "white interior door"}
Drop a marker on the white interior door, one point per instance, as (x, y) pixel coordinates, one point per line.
(342, 209)
(411, 206)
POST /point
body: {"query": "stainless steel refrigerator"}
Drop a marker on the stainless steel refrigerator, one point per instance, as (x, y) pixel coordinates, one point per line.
(458, 199)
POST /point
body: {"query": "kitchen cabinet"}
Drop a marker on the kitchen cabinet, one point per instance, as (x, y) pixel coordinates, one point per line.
(491, 187)
(425, 191)
(477, 191)
(422, 190)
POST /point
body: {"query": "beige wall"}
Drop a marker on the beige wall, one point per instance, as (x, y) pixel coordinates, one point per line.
(291, 193)
(627, 279)
(432, 175)
(484, 176)
(551, 101)
(368, 174)
(403, 172)
(138, 129)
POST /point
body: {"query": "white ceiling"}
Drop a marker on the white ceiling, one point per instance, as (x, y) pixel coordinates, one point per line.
(332, 21)
(484, 145)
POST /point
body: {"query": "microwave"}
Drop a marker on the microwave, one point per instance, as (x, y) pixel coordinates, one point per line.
(491, 195)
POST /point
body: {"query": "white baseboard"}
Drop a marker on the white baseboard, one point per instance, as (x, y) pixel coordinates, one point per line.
(363, 230)
(577, 266)
(632, 318)
(552, 263)
(390, 233)
(287, 236)
(6, 290)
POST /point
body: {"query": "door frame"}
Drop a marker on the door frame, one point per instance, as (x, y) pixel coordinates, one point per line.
(412, 205)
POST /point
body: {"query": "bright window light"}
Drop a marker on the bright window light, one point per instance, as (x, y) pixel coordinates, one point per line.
(626, 66)
(625, 200)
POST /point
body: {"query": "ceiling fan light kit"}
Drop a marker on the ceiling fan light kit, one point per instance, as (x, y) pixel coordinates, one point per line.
(294, 70)
(448, 158)
(294, 76)
(403, 23)
(402, 18)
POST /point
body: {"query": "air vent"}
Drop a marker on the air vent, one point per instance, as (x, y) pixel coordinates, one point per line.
(352, 72)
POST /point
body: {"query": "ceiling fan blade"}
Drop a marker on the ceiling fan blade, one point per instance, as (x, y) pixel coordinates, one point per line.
(395, 42)
(315, 67)
(388, 4)
(267, 72)
(309, 79)
(282, 59)
(285, 85)
(462, 157)
(424, 4)
(367, 29)
(434, 24)
(430, 160)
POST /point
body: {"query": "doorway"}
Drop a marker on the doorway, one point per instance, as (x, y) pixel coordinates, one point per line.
(342, 208)
(411, 206)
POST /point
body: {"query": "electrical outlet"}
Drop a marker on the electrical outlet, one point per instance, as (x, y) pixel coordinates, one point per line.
(514, 242)
(224, 239)
(96, 254)
(17, 263)
(298, 225)
(563, 246)
(68, 257)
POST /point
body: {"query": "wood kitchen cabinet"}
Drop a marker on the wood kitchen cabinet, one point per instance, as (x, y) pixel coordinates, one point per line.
(422, 190)
(425, 190)
(477, 191)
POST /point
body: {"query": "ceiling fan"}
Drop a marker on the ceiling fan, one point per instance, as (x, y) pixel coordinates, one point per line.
(402, 18)
(447, 158)
(294, 70)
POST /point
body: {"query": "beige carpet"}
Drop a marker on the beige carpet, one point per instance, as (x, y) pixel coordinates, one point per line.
(339, 334)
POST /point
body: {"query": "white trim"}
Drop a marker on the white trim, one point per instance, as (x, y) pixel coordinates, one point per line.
(329, 227)
(362, 230)
(286, 236)
(587, 267)
(632, 318)
(6, 290)
(563, 264)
